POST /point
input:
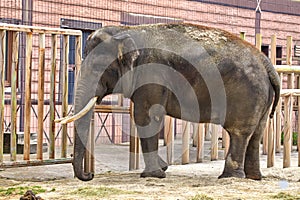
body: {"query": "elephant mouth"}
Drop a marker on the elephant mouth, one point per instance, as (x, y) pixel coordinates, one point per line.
(78, 115)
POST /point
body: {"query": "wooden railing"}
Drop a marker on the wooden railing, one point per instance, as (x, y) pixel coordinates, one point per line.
(36, 41)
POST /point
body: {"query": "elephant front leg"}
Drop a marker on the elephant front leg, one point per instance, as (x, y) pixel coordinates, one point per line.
(154, 165)
(149, 122)
(234, 162)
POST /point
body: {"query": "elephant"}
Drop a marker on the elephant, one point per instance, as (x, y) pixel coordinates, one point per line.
(187, 71)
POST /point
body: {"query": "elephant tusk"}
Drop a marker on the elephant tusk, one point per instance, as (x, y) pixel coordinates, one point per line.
(81, 113)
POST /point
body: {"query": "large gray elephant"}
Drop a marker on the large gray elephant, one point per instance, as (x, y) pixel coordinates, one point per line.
(191, 72)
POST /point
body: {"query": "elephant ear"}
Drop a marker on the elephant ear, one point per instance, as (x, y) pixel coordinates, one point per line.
(127, 57)
(127, 50)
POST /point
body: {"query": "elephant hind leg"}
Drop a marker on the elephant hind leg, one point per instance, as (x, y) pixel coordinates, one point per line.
(252, 165)
(234, 161)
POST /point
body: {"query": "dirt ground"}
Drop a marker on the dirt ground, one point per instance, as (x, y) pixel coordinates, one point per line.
(114, 181)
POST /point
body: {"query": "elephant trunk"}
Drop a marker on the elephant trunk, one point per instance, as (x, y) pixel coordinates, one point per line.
(85, 90)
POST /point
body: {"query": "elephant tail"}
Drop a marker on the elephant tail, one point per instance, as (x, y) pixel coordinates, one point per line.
(275, 82)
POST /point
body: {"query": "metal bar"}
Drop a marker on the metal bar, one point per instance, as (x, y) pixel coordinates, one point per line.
(41, 81)
(52, 97)
(2, 95)
(14, 74)
(65, 94)
(27, 107)
(36, 29)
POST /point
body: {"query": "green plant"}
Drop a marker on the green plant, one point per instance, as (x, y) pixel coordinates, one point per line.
(201, 197)
(285, 196)
(20, 190)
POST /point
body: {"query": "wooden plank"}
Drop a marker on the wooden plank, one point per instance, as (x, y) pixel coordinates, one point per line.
(35, 163)
(287, 69)
(226, 138)
(279, 121)
(2, 88)
(169, 138)
(65, 94)
(28, 74)
(134, 145)
(289, 50)
(271, 146)
(41, 81)
(37, 29)
(14, 74)
(287, 132)
(78, 57)
(258, 41)
(185, 142)
(273, 49)
(89, 154)
(265, 140)
(200, 143)
(214, 142)
(52, 96)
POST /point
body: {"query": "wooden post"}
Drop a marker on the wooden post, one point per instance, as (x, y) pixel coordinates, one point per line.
(89, 160)
(275, 133)
(258, 41)
(2, 73)
(52, 96)
(214, 142)
(169, 138)
(226, 139)
(271, 152)
(134, 145)
(207, 131)
(200, 143)
(243, 35)
(41, 91)
(14, 72)
(265, 139)
(65, 94)
(185, 142)
(27, 109)
(298, 140)
(288, 109)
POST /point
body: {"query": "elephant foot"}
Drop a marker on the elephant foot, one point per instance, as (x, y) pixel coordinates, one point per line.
(163, 165)
(254, 176)
(235, 173)
(156, 174)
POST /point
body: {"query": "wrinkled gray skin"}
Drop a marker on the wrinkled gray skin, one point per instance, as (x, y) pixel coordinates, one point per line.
(195, 73)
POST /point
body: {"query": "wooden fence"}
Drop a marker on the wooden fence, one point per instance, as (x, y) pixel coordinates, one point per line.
(32, 36)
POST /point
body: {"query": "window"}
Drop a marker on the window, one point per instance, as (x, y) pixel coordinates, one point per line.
(136, 19)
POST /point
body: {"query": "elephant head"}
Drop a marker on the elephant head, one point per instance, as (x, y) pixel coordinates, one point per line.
(108, 55)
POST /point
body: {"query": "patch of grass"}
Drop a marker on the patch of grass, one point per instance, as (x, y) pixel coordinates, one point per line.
(99, 192)
(285, 196)
(20, 190)
(201, 197)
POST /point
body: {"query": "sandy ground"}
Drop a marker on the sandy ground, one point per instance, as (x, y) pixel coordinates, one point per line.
(113, 181)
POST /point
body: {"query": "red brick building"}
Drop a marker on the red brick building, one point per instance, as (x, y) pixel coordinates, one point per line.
(267, 17)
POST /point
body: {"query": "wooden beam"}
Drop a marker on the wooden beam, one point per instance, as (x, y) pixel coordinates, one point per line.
(185, 142)
(200, 143)
(65, 94)
(134, 144)
(2, 88)
(169, 138)
(36, 29)
(52, 96)
(14, 74)
(258, 41)
(28, 74)
(41, 81)
(214, 142)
